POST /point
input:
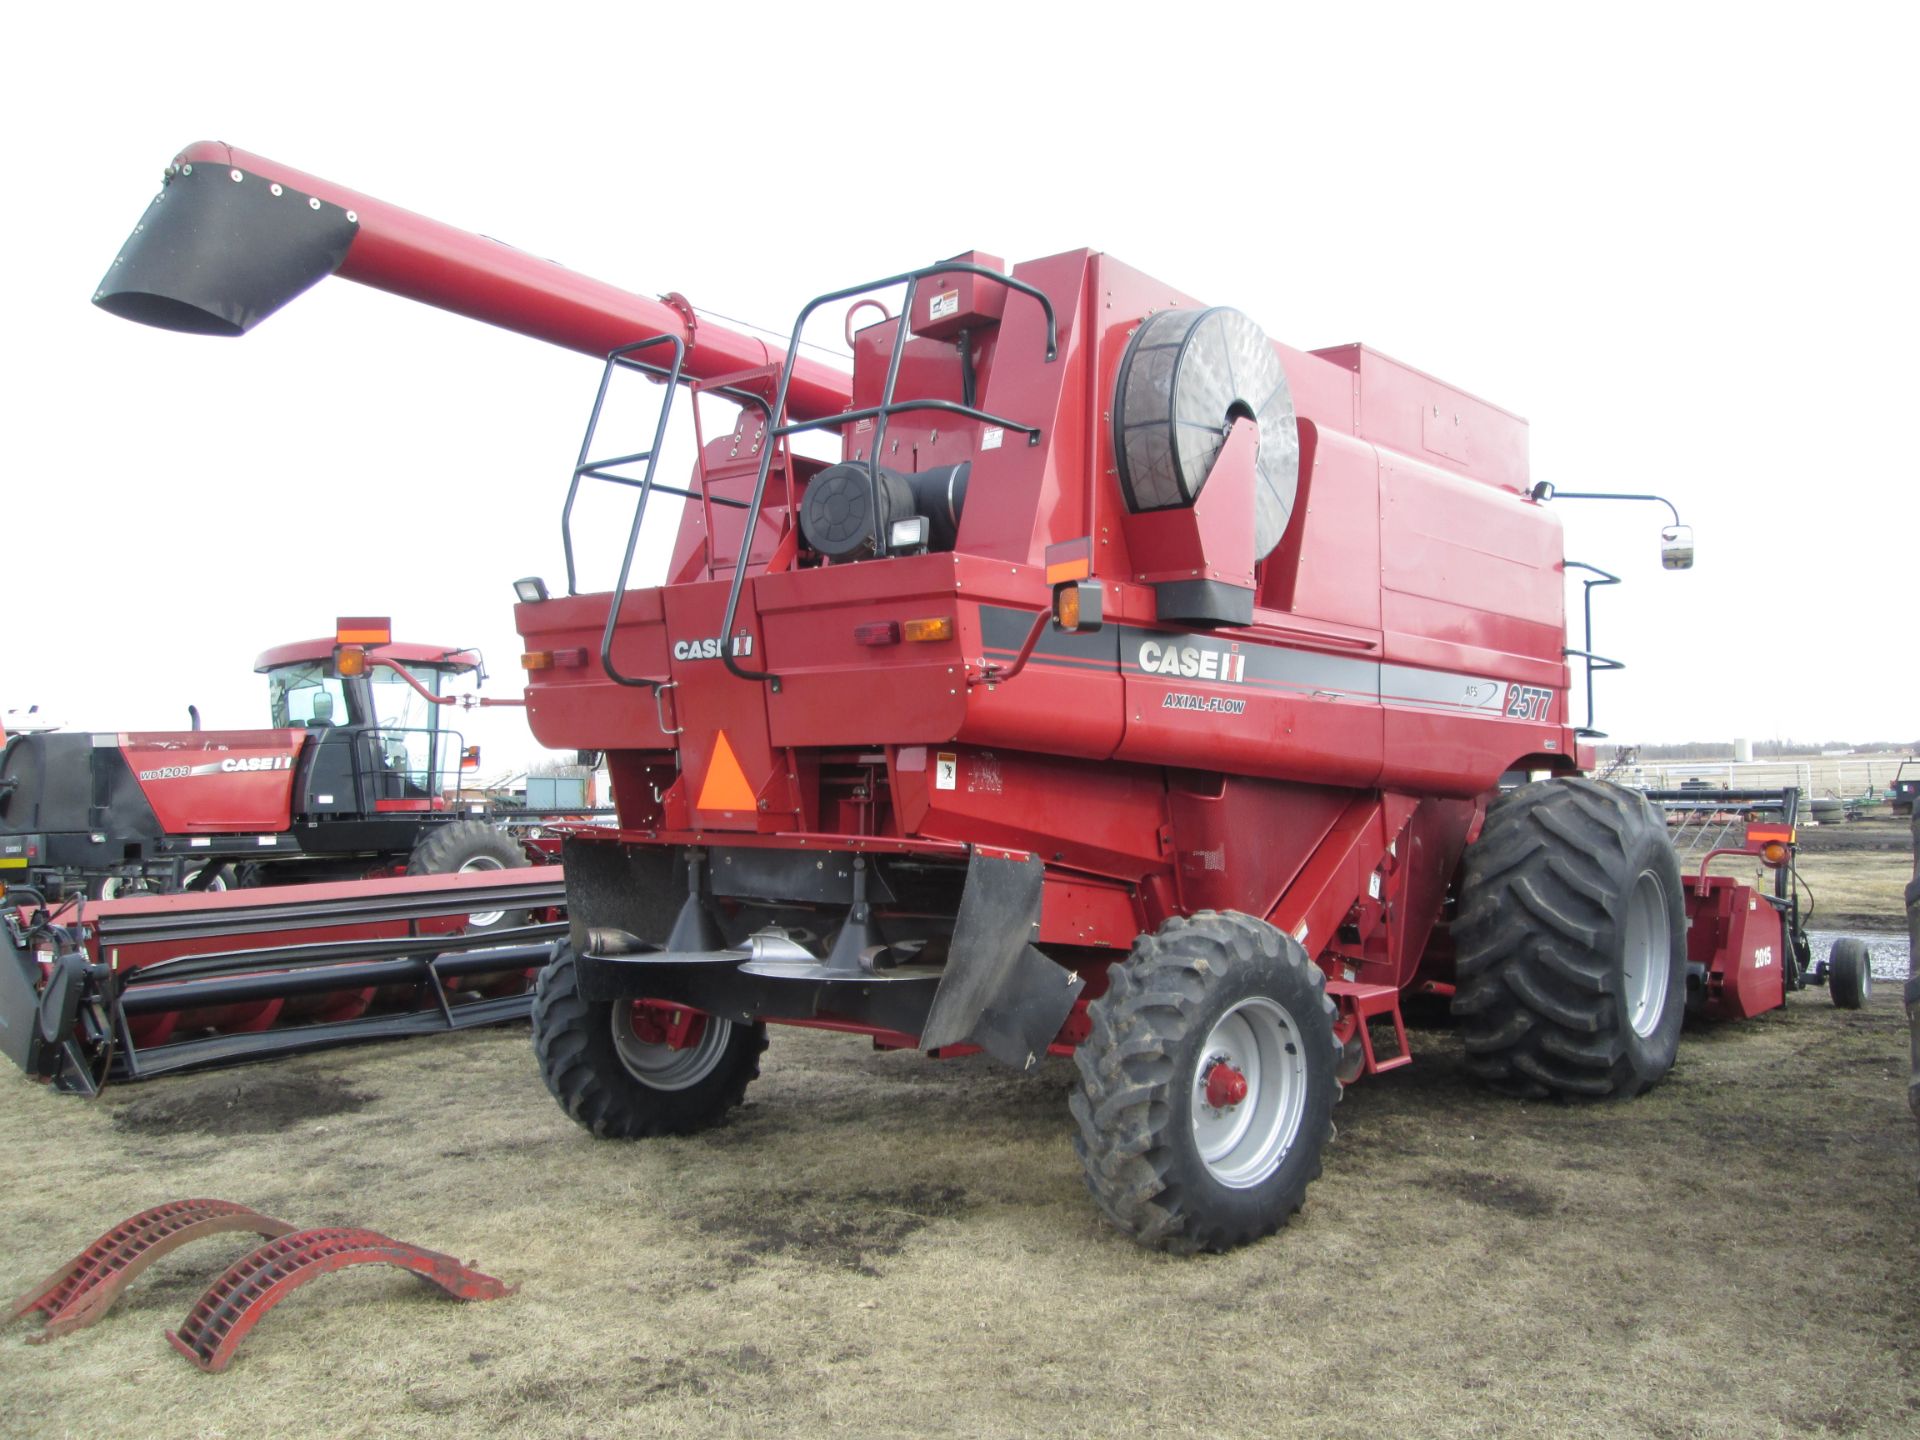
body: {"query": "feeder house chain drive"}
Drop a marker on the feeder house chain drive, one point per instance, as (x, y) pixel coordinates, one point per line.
(1132, 686)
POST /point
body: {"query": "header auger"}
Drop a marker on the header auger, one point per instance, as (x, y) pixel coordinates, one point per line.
(1132, 686)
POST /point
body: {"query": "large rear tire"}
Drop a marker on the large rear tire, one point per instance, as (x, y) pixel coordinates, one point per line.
(1207, 1085)
(1571, 943)
(616, 1083)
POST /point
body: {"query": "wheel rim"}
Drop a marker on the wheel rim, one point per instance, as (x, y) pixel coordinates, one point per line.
(661, 1066)
(1647, 958)
(480, 919)
(1243, 1142)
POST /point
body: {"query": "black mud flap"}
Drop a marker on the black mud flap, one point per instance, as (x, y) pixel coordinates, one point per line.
(999, 991)
(220, 249)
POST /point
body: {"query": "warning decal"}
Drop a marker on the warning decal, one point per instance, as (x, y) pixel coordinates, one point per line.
(726, 787)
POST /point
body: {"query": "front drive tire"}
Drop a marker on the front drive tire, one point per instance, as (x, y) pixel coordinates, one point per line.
(1570, 943)
(620, 1087)
(1216, 1008)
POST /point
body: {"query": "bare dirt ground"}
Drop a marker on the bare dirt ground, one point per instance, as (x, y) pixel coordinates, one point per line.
(880, 1245)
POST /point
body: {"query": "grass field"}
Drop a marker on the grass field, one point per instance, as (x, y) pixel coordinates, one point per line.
(880, 1244)
(1858, 873)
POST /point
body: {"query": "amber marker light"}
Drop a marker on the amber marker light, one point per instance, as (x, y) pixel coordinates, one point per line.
(940, 628)
(537, 660)
(1077, 605)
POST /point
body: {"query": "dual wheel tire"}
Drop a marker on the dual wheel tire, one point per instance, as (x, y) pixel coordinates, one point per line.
(1570, 943)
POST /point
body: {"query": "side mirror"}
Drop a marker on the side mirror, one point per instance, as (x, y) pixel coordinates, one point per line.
(1676, 547)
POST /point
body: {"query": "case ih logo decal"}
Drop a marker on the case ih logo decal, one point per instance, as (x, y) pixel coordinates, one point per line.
(1194, 662)
(1528, 702)
(231, 766)
(710, 648)
(1266, 671)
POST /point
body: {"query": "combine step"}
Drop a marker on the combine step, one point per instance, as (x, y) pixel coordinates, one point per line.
(84, 1289)
(255, 1283)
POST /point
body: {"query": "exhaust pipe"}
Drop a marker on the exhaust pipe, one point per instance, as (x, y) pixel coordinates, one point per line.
(232, 237)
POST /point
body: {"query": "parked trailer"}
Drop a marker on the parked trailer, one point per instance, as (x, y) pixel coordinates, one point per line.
(1133, 687)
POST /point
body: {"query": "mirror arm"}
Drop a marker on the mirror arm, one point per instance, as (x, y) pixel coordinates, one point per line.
(1546, 490)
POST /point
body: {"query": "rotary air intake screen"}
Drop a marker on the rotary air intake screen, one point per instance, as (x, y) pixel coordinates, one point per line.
(1187, 376)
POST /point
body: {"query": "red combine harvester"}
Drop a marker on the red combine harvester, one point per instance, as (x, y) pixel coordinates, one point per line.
(348, 783)
(1133, 687)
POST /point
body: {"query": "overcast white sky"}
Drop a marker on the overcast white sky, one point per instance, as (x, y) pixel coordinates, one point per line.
(1681, 243)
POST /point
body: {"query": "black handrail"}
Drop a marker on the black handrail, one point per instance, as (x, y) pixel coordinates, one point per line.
(595, 469)
(1596, 664)
(880, 413)
(673, 378)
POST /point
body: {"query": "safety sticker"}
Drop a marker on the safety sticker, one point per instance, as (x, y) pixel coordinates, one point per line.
(946, 770)
(990, 437)
(946, 303)
(983, 777)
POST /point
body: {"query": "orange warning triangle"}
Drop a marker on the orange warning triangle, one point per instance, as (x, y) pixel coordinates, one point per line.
(726, 787)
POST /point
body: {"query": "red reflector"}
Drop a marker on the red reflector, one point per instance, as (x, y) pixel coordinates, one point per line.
(569, 659)
(877, 632)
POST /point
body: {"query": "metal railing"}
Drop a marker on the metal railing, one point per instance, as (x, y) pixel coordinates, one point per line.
(879, 414)
(1595, 663)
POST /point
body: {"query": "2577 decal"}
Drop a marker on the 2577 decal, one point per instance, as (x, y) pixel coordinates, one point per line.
(1528, 702)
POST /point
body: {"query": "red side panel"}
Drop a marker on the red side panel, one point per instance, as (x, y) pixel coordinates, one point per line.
(210, 782)
(1738, 937)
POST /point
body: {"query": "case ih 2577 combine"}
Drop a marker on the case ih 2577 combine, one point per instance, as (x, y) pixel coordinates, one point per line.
(1133, 687)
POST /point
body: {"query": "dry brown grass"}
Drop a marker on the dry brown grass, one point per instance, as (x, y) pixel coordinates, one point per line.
(1858, 890)
(881, 1245)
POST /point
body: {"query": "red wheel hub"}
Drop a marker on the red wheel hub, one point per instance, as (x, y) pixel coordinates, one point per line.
(674, 1026)
(1226, 1086)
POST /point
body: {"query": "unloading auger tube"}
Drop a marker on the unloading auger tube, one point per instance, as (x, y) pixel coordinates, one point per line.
(232, 237)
